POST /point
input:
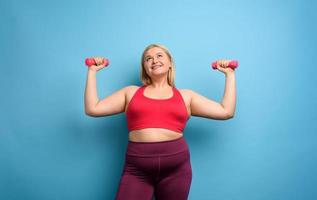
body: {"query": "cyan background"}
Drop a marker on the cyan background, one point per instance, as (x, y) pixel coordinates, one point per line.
(49, 148)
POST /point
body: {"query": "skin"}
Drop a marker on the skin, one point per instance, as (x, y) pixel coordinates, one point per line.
(156, 65)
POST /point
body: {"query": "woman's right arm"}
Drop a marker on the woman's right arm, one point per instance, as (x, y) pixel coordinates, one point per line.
(113, 104)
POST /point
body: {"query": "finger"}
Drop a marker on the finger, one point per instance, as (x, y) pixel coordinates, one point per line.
(99, 60)
(96, 60)
(221, 63)
(218, 63)
(227, 63)
(220, 68)
(224, 63)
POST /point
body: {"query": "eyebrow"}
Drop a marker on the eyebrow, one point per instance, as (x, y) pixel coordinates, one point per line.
(150, 56)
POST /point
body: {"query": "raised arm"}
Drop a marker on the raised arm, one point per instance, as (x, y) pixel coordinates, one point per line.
(204, 107)
(113, 104)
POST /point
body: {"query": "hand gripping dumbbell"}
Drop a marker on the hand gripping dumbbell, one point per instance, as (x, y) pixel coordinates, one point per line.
(90, 61)
(232, 64)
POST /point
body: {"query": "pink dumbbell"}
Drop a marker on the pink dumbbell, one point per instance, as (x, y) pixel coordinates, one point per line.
(91, 61)
(232, 64)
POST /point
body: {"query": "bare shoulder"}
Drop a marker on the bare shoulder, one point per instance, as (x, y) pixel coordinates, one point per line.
(186, 93)
(131, 89)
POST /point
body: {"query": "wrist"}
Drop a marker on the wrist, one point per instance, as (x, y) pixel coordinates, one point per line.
(91, 71)
(230, 73)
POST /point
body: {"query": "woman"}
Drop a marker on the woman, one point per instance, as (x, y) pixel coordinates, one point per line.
(157, 160)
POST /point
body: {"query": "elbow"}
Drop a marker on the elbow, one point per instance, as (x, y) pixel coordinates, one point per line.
(229, 115)
(90, 113)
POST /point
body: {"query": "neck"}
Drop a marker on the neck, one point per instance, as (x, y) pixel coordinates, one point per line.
(160, 83)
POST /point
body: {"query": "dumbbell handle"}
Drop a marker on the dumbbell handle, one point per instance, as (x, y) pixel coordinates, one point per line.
(232, 64)
(90, 61)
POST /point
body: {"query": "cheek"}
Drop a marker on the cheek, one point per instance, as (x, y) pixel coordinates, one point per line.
(147, 66)
(167, 62)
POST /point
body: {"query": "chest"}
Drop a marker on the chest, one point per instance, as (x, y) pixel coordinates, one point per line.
(184, 94)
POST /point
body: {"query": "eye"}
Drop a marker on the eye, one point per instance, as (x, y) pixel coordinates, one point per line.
(147, 59)
(160, 55)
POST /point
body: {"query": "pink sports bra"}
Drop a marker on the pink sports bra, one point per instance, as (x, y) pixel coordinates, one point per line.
(145, 112)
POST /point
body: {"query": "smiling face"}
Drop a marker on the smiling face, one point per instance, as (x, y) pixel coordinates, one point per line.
(156, 62)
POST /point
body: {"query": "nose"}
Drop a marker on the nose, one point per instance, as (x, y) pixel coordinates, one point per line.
(154, 59)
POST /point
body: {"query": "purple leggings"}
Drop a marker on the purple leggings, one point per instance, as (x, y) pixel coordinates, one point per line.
(156, 169)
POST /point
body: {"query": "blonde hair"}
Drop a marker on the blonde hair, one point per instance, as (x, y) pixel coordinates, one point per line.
(146, 80)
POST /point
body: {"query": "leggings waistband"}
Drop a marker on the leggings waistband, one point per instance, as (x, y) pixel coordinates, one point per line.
(160, 148)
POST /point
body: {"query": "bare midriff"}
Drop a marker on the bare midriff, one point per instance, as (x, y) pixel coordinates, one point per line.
(153, 135)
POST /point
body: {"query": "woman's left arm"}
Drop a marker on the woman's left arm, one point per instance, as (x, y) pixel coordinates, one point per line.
(229, 98)
(203, 107)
